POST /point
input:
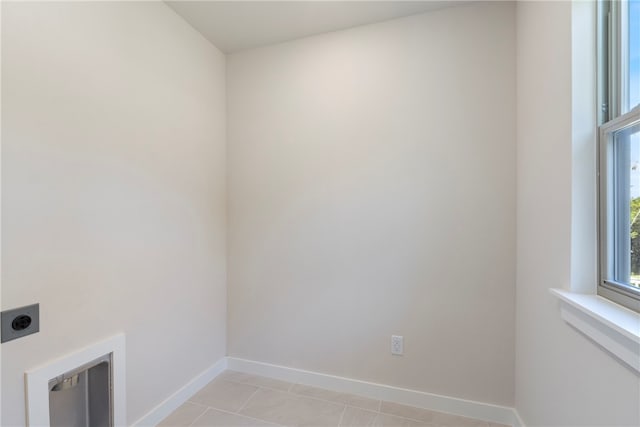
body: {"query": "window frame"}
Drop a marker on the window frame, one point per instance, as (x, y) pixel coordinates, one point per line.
(613, 117)
(608, 287)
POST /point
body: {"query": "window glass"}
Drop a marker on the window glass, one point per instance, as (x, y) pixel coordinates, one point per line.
(627, 206)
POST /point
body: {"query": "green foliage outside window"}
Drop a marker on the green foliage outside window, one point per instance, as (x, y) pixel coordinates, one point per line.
(635, 241)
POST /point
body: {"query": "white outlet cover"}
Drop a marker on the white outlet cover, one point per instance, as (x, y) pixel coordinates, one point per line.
(397, 345)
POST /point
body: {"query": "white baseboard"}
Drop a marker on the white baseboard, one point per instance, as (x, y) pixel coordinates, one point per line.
(160, 412)
(434, 402)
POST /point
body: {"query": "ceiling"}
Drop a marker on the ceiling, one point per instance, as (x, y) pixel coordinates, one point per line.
(238, 25)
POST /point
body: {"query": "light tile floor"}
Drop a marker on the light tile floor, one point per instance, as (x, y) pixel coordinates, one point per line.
(239, 399)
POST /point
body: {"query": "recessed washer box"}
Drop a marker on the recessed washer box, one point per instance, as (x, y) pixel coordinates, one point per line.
(82, 397)
(83, 388)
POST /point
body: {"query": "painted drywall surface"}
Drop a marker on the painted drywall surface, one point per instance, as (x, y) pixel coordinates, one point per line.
(371, 193)
(113, 191)
(239, 25)
(562, 378)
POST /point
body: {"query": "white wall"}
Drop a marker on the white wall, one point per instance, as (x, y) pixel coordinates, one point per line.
(113, 191)
(562, 378)
(372, 192)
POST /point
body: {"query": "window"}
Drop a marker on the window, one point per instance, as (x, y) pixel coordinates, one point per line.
(619, 151)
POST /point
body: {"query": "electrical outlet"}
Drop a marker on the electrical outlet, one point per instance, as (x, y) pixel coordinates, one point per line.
(397, 345)
(19, 322)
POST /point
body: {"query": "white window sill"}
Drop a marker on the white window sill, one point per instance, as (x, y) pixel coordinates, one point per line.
(614, 327)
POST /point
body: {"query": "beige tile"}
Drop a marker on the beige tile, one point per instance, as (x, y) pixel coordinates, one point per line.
(257, 380)
(225, 395)
(405, 411)
(447, 420)
(268, 383)
(386, 420)
(334, 396)
(235, 376)
(358, 401)
(292, 410)
(215, 418)
(357, 417)
(183, 416)
(318, 393)
(416, 423)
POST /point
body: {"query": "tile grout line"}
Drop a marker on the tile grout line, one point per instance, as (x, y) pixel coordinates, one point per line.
(342, 415)
(260, 386)
(245, 416)
(196, 403)
(248, 381)
(379, 411)
(247, 401)
(199, 416)
(331, 401)
(292, 385)
(376, 418)
(335, 402)
(402, 417)
(384, 413)
(344, 409)
(307, 396)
